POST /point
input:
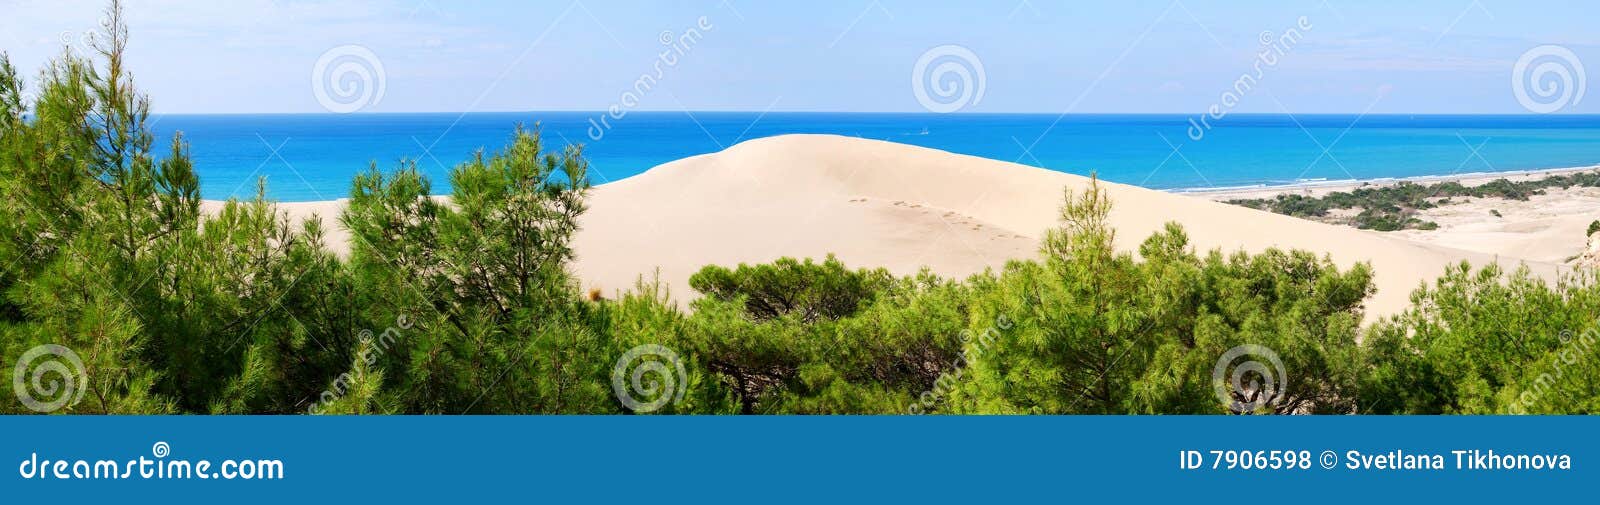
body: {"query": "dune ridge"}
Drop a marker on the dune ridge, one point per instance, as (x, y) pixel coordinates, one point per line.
(880, 204)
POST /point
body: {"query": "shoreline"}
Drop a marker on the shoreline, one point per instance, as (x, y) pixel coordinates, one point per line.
(1322, 188)
(1550, 227)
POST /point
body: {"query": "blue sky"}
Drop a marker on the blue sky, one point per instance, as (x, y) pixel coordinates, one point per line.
(1445, 56)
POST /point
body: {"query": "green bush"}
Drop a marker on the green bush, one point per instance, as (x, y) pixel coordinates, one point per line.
(1389, 208)
(803, 289)
(825, 339)
(1099, 332)
(1481, 342)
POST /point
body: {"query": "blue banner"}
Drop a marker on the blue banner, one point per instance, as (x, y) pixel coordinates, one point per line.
(799, 459)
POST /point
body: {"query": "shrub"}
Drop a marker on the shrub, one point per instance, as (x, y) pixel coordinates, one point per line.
(799, 337)
(1388, 208)
(1097, 331)
(499, 323)
(1482, 342)
(807, 290)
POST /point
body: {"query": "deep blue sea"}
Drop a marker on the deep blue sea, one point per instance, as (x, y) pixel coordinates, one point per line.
(313, 156)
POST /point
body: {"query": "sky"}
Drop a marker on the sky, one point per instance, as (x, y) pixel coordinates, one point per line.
(1045, 56)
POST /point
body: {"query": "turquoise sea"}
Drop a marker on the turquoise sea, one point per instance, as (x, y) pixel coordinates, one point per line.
(308, 157)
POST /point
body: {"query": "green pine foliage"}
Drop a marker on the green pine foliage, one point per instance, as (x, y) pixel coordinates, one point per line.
(805, 290)
(1098, 332)
(499, 325)
(799, 337)
(1484, 342)
(467, 304)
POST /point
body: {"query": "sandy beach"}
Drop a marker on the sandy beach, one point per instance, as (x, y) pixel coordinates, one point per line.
(1321, 188)
(875, 203)
(1548, 228)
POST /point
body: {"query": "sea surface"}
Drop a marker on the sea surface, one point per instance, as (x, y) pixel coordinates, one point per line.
(308, 157)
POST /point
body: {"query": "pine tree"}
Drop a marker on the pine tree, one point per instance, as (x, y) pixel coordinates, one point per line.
(499, 324)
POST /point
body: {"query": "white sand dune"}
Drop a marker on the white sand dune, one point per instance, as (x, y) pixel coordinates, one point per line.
(1551, 227)
(876, 203)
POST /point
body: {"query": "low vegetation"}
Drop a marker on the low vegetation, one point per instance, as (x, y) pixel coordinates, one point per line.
(1390, 208)
(471, 307)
